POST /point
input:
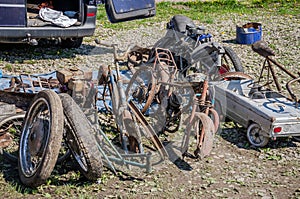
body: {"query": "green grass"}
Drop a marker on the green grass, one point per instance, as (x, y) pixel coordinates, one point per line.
(205, 11)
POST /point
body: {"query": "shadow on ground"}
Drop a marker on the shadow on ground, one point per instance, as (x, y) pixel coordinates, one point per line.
(237, 136)
(24, 53)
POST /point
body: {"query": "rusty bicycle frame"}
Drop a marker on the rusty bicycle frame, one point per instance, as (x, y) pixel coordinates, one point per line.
(163, 64)
(267, 65)
(123, 113)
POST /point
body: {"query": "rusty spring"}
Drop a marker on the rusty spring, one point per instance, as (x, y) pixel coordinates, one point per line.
(202, 104)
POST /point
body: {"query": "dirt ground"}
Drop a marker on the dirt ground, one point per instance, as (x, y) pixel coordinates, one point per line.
(233, 170)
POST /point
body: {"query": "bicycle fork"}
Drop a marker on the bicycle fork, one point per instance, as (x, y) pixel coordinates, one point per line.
(128, 126)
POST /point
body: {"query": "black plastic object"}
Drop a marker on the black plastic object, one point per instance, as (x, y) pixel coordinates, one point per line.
(126, 10)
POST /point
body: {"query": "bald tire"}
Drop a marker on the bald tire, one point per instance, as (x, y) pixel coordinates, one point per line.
(80, 138)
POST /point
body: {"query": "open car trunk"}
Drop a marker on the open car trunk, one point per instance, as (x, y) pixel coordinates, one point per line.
(22, 13)
(70, 8)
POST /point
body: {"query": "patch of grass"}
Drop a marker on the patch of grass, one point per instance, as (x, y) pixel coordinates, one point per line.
(204, 11)
(9, 67)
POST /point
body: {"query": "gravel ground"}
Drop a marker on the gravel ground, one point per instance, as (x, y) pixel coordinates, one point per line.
(234, 169)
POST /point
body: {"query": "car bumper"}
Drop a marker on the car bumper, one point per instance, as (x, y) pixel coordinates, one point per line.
(20, 34)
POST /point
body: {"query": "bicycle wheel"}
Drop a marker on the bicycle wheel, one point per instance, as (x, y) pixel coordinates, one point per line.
(80, 139)
(141, 88)
(10, 130)
(213, 114)
(40, 139)
(12, 127)
(230, 61)
(199, 122)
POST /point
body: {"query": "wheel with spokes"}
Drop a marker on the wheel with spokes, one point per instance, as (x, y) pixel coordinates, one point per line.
(11, 128)
(80, 139)
(141, 88)
(40, 139)
(10, 133)
(256, 137)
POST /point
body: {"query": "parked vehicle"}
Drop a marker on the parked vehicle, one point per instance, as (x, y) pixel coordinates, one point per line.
(265, 113)
(20, 21)
(69, 21)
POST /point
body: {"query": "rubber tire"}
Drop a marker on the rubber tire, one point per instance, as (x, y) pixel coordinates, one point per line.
(71, 42)
(229, 52)
(82, 133)
(14, 159)
(51, 148)
(264, 140)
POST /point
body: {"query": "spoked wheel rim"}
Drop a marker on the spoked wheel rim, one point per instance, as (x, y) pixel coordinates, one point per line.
(255, 136)
(73, 143)
(35, 134)
(141, 88)
(11, 126)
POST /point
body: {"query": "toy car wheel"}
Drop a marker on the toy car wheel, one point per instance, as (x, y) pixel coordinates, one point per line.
(41, 138)
(256, 137)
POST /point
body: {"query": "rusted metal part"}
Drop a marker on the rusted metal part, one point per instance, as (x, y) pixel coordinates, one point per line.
(21, 100)
(150, 133)
(234, 75)
(272, 70)
(134, 137)
(138, 55)
(199, 121)
(291, 92)
(216, 118)
(262, 49)
(208, 140)
(5, 140)
(165, 64)
(148, 95)
(103, 75)
(34, 81)
(282, 67)
(64, 76)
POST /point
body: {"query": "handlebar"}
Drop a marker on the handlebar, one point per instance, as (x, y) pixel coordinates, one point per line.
(115, 48)
(105, 43)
